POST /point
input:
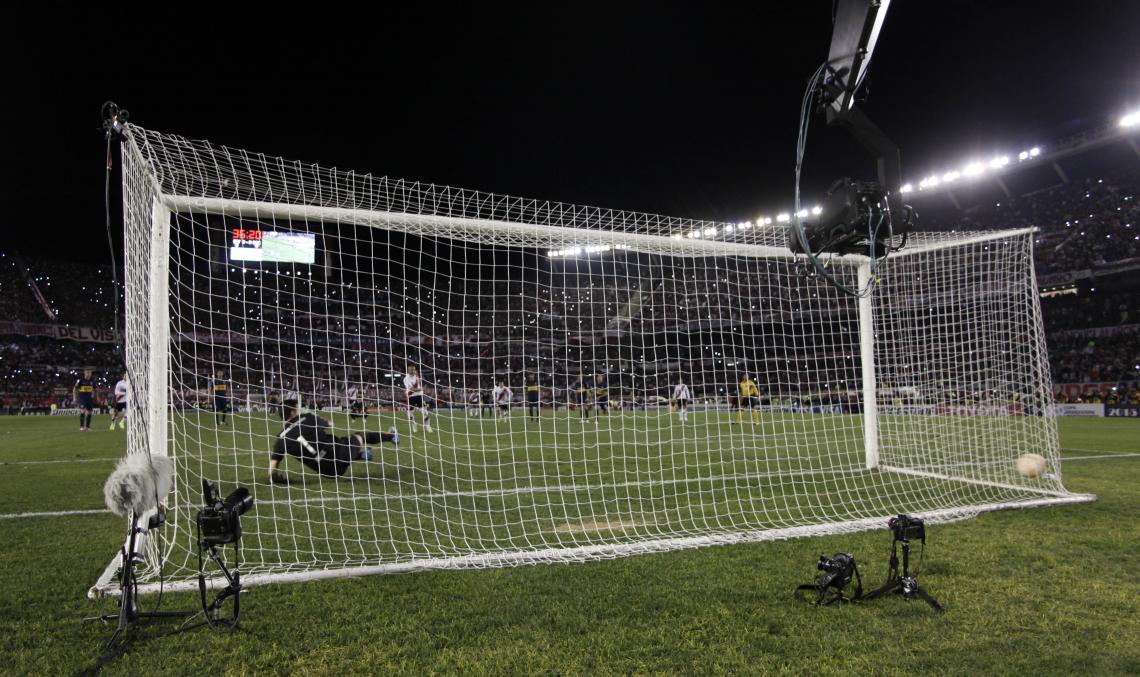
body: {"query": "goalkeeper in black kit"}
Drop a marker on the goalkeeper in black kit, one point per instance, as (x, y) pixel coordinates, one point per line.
(310, 439)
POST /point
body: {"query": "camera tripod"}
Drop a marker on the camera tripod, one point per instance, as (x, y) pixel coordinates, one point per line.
(212, 611)
(904, 584)
(129, 615)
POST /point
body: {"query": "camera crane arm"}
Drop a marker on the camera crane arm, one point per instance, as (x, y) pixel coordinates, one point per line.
(856, 28)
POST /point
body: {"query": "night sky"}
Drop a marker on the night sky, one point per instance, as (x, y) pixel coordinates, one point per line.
(684, 109)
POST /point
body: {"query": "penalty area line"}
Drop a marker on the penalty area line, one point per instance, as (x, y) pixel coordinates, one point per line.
(1066, 459)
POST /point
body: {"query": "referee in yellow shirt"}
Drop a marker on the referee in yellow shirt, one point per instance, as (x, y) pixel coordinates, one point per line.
(749, 398)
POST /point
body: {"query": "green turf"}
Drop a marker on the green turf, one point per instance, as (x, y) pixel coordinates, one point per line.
(1050, 591)
(477, 486)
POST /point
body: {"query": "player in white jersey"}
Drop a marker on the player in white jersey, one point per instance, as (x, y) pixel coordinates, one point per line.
(122, 397)
(681, 397)
(501, 396)
(414, 390)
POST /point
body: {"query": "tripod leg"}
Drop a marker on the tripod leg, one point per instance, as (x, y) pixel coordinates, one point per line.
(891, 586)
(928, 599)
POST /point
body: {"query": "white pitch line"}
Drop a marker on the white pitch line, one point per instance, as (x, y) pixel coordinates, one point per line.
(1066, 459)
(67, 460)
(319, 500)
(56, 513)
(434, 495)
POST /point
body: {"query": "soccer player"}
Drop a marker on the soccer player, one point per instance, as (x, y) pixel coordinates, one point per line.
(749, 393)
(578, 397)
(221, 388)
(122, 394)
(601, 396)
(414, 390)
(681, 398)
(83, 393)
(533, 391)
(310, 439)
(488, 406)
(501, 394)
(355, 403)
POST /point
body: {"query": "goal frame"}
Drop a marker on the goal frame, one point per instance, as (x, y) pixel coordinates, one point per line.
(151, 431)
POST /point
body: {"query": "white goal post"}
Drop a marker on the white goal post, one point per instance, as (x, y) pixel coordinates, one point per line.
(251, 280)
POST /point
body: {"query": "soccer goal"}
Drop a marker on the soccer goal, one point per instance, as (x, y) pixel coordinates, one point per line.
(252, 280)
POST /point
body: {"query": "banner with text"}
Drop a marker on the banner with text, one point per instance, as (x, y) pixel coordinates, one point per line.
(1132, 411)
(59, 331)
(1078, 409)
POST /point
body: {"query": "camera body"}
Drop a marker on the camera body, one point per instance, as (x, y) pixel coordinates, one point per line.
(838, 570)
(856, 218)
(907, 528)
(219, 521)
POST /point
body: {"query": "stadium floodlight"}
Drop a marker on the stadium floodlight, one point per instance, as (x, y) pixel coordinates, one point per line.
(999, 161)
(973, 169)
(1023, 156)
(710, 232)
(694, 234)
(784, 217)
(930, 332)
(950, 176)
(729, 228)
(1131, 119)
(817, 210)
(906, 188)
(802, 213)
(1034, 151)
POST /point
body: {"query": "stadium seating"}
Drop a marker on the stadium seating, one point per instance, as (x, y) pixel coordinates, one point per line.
(1083, 224)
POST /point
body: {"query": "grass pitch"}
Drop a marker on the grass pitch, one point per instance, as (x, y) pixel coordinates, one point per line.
(1050, 591)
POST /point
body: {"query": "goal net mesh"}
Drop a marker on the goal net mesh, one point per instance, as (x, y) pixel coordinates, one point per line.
(252, 279)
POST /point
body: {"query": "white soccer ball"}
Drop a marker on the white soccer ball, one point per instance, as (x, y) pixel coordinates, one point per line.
(1031, 465)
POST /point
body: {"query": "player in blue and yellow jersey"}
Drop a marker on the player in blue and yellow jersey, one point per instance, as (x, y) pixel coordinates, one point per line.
(578, 397)
(83, 394)
(533, 393)
(601, 396)
(221, 388)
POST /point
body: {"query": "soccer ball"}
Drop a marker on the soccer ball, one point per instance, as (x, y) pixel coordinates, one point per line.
(1031, 465)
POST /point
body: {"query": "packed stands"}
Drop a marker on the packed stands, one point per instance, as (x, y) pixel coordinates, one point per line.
(552, 319)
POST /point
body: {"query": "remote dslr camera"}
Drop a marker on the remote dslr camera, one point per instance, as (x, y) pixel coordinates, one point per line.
(219, 521)
(907, 528)
(838, 570)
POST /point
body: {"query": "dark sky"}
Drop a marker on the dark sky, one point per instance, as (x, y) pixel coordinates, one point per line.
(683, 109)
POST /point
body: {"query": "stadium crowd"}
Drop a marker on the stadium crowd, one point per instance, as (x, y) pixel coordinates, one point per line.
(320, 335)
(1082, 224)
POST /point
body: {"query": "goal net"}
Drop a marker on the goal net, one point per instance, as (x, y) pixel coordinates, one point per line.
(253, 280)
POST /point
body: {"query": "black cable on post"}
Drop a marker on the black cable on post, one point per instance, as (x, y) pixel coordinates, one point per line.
(115, 129)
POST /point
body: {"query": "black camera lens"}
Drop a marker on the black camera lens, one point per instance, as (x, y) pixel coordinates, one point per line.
(239, 501)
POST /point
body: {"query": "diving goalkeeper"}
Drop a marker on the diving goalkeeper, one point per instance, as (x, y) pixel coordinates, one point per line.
(310, 439)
